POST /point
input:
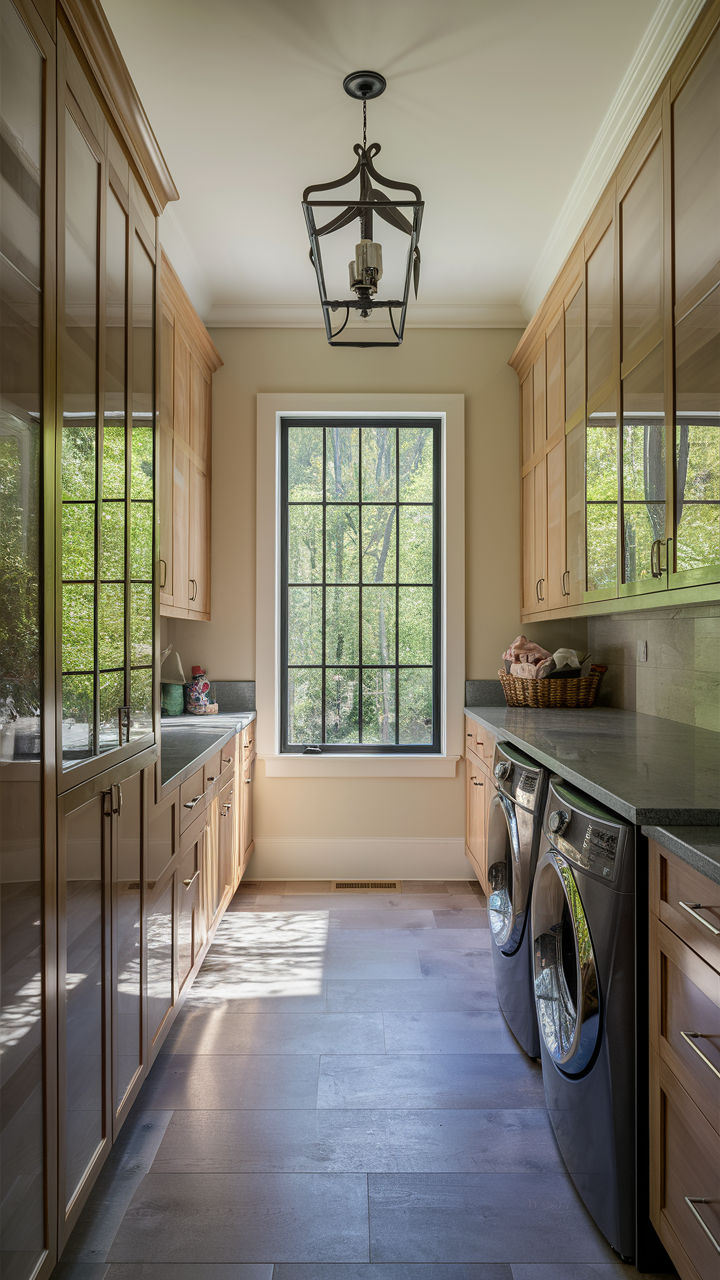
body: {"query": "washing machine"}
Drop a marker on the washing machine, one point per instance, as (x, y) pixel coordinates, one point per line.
(514, 826)
(583, 928)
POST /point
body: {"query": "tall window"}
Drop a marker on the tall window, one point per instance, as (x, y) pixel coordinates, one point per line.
(361, 594)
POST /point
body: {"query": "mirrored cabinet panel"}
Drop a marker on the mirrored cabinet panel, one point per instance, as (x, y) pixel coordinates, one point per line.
(697, 444)
(602, 493)
(23, 991)
(643, 473)
(696, 177)
(600, 292)
(575, 354)
(641, 248)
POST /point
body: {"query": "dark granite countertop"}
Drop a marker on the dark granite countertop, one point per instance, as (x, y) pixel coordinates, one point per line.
(698, 846)
(186, 741)
(652, 771)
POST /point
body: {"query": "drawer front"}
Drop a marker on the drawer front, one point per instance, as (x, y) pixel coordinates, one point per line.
(211, 770)
(689, 1020)
(192, 798)
(691, 1168)
(188, 885)
(227, 756)
(686, 902)
(248, 741)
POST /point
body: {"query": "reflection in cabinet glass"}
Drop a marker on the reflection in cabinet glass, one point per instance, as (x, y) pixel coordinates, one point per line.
(575, 354)
(159, 958)
(697, 442)
(602, 498)
(107, 471)
(22, 1106)
(600, 314)
(642, 245)
(696, 169)
(643, 470)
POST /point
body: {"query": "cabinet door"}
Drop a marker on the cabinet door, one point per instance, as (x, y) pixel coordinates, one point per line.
(127, 949)
(165, 462)
(181, 472)
(556, 588)
(226, 828)
(696, 180)
(529, 593)
(248, 786)
(199, 542)
(695, 557)
(540, 533)
(84, 832)
(188, 878)
(160, 925)
(475, 818)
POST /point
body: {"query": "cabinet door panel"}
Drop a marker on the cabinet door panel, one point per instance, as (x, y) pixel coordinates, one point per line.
(199, 541)
(540, 533)
(539, 403)
(575, 354)
(696, 542)
(600, 290)
(167, 361)
(181, 473)
(642, 247)
(248, 786)
(226, 827)
(159, 955)
(528, 541)
(127, 1012)
(556, 583)
(555, 409)
(188, 885)
(696, 165)
(526, 410)
(200, 417)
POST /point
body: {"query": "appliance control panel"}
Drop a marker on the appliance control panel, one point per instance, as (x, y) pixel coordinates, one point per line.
(594, 850)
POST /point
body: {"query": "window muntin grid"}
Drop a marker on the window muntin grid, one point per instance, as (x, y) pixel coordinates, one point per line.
(360, 597)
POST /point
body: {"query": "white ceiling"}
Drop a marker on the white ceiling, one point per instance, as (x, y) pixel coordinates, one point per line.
(506, 113)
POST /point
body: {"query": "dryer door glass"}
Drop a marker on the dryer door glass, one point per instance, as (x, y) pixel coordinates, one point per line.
(507, 877)
(566, 988)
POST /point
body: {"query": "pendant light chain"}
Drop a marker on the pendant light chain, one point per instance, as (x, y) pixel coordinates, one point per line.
(364, 124)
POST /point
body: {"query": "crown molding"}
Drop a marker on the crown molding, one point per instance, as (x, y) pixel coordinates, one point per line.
(291, 315)
(660, 45)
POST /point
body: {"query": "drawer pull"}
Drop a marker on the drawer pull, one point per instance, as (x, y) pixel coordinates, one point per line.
(692, 909)
(190, 804)
(189, 883)
(691, 1037)
(227, 759)
(211, 778)
(476, 783)
(691, 1201)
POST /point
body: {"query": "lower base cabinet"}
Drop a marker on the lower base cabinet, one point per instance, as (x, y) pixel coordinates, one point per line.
(142, 886)
(479, 791)
(685, 1064)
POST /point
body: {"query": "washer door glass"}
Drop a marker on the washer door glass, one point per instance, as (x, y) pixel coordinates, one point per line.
(566, 988)
(503, 877)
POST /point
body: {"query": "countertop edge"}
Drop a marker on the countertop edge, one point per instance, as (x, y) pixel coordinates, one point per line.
(244, 718)
(671, 839)
(661, 818)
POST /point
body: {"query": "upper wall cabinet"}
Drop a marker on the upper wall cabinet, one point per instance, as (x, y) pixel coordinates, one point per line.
(627, 502)
(188, 360)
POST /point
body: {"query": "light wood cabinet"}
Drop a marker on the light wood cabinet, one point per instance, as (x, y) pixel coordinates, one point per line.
(479, 791)
(188, 360)
(640, 294)
(685, 1064)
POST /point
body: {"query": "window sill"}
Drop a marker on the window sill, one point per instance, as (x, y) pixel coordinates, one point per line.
(346, 766)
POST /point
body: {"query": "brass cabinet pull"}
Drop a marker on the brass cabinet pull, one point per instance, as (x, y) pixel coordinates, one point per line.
(190, 804)
(691, 1201)
(227, 759)
(692, 909)
(189, 883)
(537, 590)
(193, 583)
(248, 781)
(565, 589)
(690, 1037)
(164, 576)
(475, 782)
(211, 779)
(655, 567)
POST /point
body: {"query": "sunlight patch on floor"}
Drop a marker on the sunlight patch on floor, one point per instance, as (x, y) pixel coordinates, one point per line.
(264, 954)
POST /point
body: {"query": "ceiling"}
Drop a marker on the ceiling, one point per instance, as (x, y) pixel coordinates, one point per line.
(506, 113)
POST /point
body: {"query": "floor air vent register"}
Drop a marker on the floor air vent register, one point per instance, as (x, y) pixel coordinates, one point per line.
(367, 886)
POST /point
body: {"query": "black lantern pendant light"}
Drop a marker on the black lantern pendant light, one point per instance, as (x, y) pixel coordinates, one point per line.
(367, 268)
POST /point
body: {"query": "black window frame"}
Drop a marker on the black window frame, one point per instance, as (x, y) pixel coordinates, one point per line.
(365, 748)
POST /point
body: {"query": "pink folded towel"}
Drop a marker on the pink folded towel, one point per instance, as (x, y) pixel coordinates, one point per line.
(523, 650)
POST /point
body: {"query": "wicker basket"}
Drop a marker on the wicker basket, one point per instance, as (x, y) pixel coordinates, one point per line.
(579, 692)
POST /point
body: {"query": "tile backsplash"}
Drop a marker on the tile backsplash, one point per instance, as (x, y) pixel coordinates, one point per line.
(680, 679)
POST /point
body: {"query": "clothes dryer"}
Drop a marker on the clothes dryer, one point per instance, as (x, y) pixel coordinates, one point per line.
(583, 928)
(514, 825)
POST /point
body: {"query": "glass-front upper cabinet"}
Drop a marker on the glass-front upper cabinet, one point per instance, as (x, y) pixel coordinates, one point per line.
(643, 475)
(24, 1188)
(696, 180)
(695, 555)
(107, 470)
(641, 221)
(601, 500)
(600, 295)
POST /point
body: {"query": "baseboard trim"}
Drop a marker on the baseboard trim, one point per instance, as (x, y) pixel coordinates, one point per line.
(330, 858)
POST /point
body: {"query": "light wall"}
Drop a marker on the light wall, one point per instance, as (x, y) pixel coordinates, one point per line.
(416, 824)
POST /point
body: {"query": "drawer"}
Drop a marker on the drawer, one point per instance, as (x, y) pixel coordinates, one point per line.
(211, 770)
(473, 737)
(687, 902)
(192, 798)
(690, 1158)
(688, 1019)
(228, 755)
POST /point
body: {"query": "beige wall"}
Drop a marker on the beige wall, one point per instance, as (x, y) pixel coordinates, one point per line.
(470, 361)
